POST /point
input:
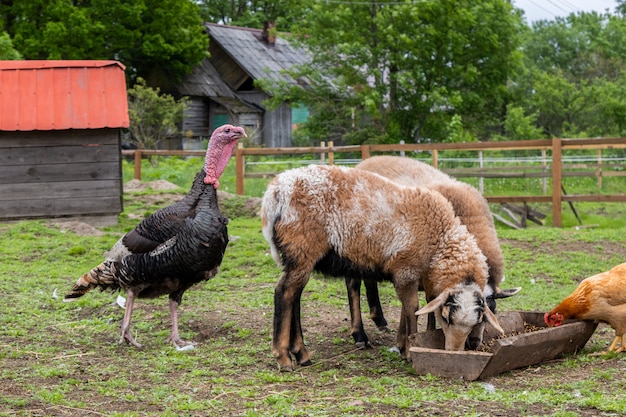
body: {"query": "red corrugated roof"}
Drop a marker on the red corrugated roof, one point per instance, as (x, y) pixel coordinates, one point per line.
(58, 95)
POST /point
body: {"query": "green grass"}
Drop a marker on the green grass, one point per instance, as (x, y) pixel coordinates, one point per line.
(63, 358)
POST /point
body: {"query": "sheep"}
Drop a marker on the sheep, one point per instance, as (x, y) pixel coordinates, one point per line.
(346, 222)
(473, 211)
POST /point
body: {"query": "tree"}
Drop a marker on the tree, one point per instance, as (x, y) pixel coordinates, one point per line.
(7, 52)
(405, 68)
(254, 13)
(153, 116)
(573, 72)
(148, 36)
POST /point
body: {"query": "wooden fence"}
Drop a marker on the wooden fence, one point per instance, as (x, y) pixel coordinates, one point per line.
(551, 168)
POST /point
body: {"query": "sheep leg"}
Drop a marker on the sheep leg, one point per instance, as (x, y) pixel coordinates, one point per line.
(373, 300)
(287, 336)
(296, 347)
(353, 285)
(408, 321)
(431, 323)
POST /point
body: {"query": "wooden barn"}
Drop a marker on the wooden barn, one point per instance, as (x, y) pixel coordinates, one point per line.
(222, 89)
(60, 139)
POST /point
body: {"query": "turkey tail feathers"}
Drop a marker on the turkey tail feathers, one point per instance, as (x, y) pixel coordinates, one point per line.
(102, 276)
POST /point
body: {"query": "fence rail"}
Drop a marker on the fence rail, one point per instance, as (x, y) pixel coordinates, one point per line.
(550, 166)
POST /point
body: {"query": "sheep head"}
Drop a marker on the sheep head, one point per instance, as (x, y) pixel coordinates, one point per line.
(460, 310)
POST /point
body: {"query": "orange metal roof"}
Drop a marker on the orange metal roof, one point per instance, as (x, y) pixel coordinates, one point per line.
(58, 95)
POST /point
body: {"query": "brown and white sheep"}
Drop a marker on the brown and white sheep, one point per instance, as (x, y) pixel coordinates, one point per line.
(347, 222)
(473, 211)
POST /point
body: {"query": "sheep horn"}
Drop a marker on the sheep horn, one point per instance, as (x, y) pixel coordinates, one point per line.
(506, 293)
(492, 319)
(434, 304)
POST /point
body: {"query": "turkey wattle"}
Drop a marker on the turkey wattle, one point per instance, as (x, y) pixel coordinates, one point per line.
(172, 249)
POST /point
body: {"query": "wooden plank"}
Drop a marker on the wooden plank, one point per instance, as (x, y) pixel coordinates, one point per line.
(22, 209)
(511, 352)
(59, 190)
(44, 173)
(36, 155)
(450, 364)
(519, 199)
(240, 166)
(59, 138)
(505, 221)
(535, 347)
(597, 198)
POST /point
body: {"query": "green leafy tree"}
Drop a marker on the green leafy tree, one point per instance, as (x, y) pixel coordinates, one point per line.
(160, 39)
(518, 125)
(573, 72)
(154, 117)
(254, 13)
(402, 70)
(7, 52)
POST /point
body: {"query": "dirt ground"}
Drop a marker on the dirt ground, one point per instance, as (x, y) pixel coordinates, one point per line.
(325, 329)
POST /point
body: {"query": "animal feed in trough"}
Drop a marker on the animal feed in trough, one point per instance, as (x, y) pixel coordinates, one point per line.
(527, 341)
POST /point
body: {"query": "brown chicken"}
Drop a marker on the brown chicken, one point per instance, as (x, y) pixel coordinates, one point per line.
(601, 297)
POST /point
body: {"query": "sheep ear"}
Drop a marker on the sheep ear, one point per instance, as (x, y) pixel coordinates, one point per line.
(434, 304)
(491, 319)
(506, 293)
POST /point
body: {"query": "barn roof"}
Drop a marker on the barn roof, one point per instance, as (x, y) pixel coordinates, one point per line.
(260, 59)
(59, 95)
(205, 81)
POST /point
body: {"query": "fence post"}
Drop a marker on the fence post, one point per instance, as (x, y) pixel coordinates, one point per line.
(240, 168)
(599, 171)
(481, 180)
(557, 167)
(365, 152)
(544, 164)
(331, 154)
(435, 158)
(137, 164)
(322, 154)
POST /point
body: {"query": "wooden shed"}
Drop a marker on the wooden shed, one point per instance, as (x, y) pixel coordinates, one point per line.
(222, 88)
(60, 127)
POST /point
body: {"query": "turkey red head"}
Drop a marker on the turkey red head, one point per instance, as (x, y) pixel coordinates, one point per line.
(221, 145)
(553, 320)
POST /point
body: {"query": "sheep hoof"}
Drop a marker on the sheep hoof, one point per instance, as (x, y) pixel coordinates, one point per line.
(362, 345)
(306, 363)
(384, 329)
(285, 368)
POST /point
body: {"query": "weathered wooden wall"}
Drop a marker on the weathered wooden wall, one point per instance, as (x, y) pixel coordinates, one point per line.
(60, 173)
(276, 128)
(196, 118)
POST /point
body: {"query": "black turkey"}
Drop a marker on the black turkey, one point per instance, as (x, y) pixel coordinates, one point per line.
(172, 249)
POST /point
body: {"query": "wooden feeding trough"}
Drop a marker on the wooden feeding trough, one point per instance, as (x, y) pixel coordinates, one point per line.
(528, 342)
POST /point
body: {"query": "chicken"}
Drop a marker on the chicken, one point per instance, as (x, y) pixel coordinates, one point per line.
(601, 297)
(172, 249)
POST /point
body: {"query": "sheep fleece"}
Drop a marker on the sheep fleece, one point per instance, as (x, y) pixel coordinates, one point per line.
(407, 233)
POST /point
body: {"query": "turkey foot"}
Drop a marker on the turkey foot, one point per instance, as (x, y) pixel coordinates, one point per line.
(127, 337)
(128, 311)
(178, 343)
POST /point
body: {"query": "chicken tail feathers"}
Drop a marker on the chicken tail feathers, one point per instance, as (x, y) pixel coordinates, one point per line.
(103, 276)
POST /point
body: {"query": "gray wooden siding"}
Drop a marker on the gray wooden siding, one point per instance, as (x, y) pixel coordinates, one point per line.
(196, 119)
(276, 127)
(60, 173)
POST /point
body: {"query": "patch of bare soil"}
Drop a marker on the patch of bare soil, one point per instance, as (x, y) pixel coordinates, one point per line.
(136, 185)
(78, 227)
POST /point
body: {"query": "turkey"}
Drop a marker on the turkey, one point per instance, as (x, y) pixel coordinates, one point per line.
(172, 249)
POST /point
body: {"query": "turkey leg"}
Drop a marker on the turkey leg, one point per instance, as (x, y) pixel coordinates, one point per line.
(130, 300)
(174, 337)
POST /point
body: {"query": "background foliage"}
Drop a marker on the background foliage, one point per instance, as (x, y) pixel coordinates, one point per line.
(383, 71)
